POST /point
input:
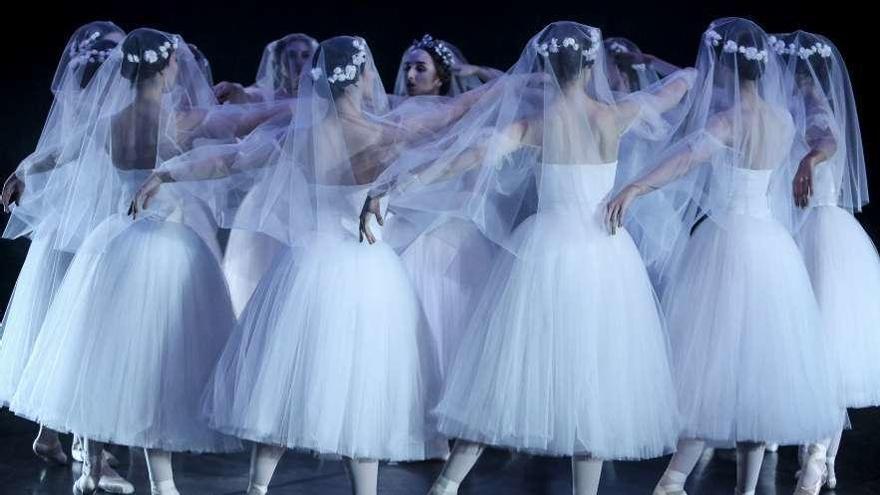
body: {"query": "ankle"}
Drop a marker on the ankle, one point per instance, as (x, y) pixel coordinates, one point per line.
(255, 489)
(165, 487)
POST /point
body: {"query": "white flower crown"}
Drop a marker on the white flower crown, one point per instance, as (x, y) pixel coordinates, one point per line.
(438, 47)
(151, 57)
(350, 71)
(749, 52)
(819, 48)
(617, 47)
(553, 46)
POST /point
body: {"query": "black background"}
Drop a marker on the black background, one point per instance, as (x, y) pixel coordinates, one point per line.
(232, 36)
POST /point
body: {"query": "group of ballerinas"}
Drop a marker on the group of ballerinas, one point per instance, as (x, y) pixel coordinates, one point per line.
(500, 301)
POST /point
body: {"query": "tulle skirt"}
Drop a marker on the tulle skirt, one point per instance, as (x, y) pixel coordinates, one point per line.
(565, 353)
(845, 271)
(331, 355)
(749, 352)
(130, 341)
(40, 276)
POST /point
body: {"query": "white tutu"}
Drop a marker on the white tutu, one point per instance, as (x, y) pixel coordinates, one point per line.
(130, 341)
(449, 266)
(845, 271)
(566, 352)
(40, 276)
(749, 351)
(332, 355)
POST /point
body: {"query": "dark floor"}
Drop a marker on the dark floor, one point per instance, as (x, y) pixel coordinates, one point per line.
(858, 470)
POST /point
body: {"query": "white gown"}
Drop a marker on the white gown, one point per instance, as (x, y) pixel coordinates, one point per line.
(40, 276)
(332, 354)
(135, 330)
(749, 352)
(566, 351)
(845, 270)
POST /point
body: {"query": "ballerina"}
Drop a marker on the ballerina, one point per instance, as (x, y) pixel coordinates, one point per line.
(747, 343)
(541, 367)
(139, 321)
(829, 185)
(356, 367)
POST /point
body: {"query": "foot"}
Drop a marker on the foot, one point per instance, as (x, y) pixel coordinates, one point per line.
(51, 453)
(812, 474)
(772, 448)
(668, 490)
(672, 483)
(164, 488)
(831, 476)
(85, 485)
(444, 486)
(112, 482)
(257, 490)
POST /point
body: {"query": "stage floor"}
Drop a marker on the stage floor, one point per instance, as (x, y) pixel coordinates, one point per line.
(498, 472)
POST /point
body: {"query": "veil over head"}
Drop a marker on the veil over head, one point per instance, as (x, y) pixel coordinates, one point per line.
(553, 108)
(85, 52)
(148, 102)
(448, 56)
(825, 116)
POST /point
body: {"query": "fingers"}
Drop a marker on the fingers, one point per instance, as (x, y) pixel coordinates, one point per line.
(609, 209)
(380, 219)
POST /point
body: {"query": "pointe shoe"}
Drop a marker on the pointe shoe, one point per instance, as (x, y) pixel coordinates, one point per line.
(830, 475)
(815, 463)
(668, 490)
(112, 482)
(444, 486)
(53, 454)
(164, 488)
(772, 448)
(85, 485)
(256, 490)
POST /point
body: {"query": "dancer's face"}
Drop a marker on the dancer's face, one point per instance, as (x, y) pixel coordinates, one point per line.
(298, 53)
(421, 74)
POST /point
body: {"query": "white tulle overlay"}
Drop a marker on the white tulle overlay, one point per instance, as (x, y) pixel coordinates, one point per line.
(845, 270)
(749, 352)
(130, 341)
(332, 355)
(447, 282)
(40, 276)
(566, 351)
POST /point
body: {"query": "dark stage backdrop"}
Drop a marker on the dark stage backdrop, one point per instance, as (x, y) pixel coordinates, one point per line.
(232, 36)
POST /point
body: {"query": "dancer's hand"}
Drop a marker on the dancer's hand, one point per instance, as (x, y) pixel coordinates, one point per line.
(13, 189)
(802, 185)
(230, 91)
(146, 192)
(616, 208)
(371, 207)
(465, 70)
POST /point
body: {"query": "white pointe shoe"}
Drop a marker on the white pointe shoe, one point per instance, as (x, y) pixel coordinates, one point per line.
(814, 464)
(831, 476)
(85, 485)
(772, 448)
(751, 492)
(112, 482)
(257, 490)
(668, 490)
(51, 453)
(444, 486)
(164, 488)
